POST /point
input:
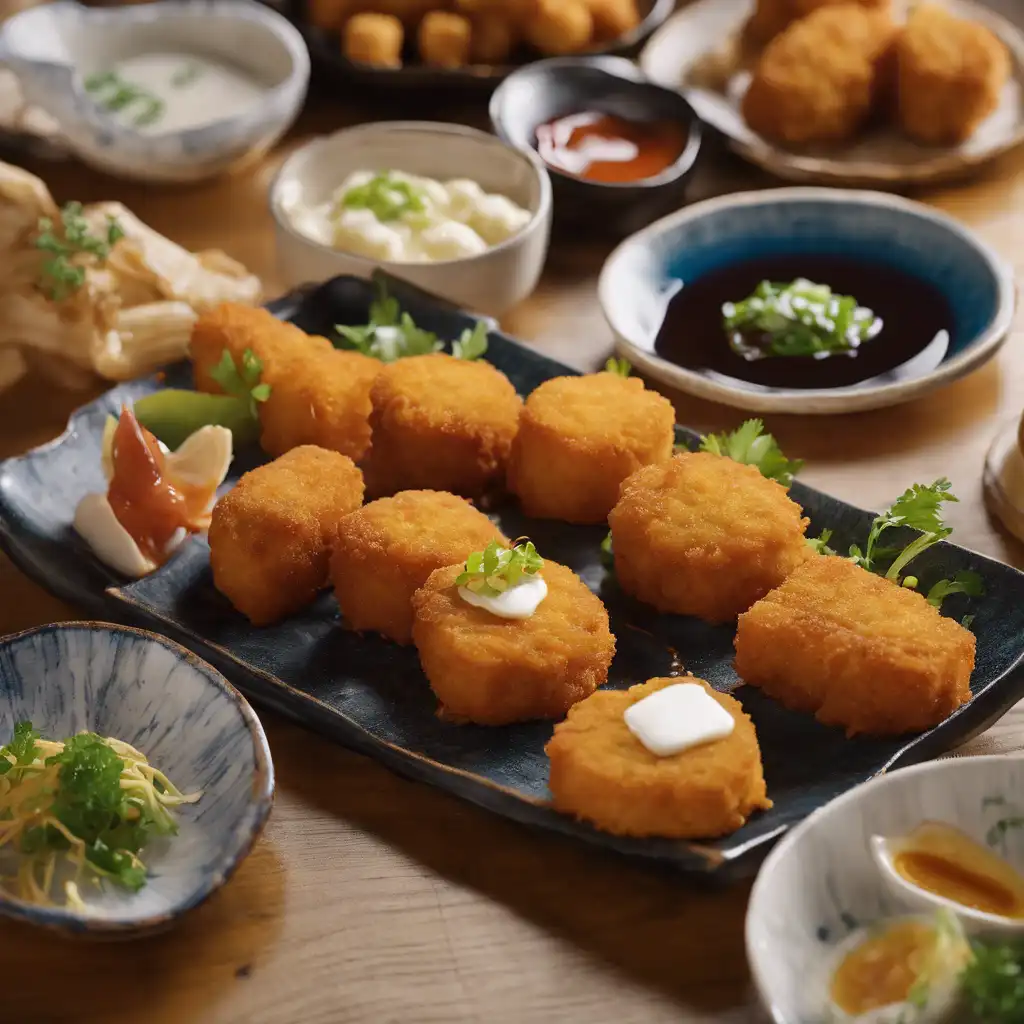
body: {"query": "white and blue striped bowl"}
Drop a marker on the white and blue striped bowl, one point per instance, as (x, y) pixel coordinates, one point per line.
(190, 723)
(645, 271)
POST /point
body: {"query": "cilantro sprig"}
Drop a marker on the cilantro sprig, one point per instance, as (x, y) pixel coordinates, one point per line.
(71, 248)
(750, 445)
(242, 381)
(385, 196)
(618, 367)
(496, 569)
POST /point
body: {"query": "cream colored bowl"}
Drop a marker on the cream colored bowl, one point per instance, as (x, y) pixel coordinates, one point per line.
(491, 282)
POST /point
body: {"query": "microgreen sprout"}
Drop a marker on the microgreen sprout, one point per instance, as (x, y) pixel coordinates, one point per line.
(496, 569)
(619, 367)
(750, 445)
(70, 249)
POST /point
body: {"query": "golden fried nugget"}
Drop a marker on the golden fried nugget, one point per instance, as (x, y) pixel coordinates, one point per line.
(442, 424)
(385, 551)
(560, 26)
(613, 18)
(950, 74)
(494, 39)
(580, 437)
(770, 17)
(494, 671)
(704, 535)
(856, 650)
(444, 39)
(270, 536)
(322, 399)
(820, 79)
(601, 773)
(373, 38)
(237, 328)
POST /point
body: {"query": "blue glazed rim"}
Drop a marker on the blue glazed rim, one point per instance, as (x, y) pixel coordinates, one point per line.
(982, 347)
(66, 922)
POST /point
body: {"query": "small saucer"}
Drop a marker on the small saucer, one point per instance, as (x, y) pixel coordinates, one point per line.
(1003, 479)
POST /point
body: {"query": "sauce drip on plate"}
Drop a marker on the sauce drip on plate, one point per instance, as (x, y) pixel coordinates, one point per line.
(606, 148)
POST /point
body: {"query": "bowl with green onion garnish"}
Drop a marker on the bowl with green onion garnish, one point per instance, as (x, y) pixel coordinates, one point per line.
(133, 780)
(807, 300)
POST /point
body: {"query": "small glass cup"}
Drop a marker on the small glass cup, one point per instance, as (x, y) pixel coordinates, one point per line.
(1003, 478)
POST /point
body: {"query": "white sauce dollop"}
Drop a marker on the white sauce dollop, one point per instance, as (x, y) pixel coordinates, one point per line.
(678, 718)
(518, 602)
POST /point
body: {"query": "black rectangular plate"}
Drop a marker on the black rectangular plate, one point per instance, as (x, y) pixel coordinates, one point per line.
(370, 694)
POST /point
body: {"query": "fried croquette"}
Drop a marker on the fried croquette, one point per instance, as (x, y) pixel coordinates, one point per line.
(856, 650)
(440, 423)
(560, 26)
(950, 73)
(613, 18)
(386, 550)
(374, 38)
(444, 39)
(771, 17)
(580, 437)
(601, 773)
(703, 535)
(270, 536)
(821, 79)
(495, 671)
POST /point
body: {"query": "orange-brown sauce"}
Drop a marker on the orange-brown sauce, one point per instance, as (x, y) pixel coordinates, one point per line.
(606, 148)
(150, 505)
(958, 882)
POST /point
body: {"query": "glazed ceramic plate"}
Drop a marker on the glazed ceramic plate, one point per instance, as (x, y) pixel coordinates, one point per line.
(692, 51)
(371, 695)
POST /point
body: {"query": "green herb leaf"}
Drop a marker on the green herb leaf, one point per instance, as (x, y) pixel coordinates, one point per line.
(963, 582)
(607, 552)
(619, 367)
(70, 250)
(391, 333)
(385, 196)
(472, 343)
(495, 569)
(242, 383)
(114, 94)
(22, 748)
(750, 445)
(993, 983)
(820, 543)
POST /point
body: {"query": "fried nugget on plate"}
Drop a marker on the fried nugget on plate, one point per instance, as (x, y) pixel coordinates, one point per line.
(494, 671)
(771, 17)
(856, 650)
(602, 773)
(442, 424)
(706, 536)
(580, 437)
(373, 38)
(386, 550)
(444, 38)
(820, 79)
(951, 72)
(270, 536)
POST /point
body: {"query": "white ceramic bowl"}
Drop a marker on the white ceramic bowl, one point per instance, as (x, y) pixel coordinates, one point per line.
(53, 48)
(821, 882)
(490, 283)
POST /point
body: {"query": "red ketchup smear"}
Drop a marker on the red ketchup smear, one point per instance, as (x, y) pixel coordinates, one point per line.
(145, 499)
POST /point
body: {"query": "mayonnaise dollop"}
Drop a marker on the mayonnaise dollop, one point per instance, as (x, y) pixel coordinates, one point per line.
(678, 718)
(518, 602)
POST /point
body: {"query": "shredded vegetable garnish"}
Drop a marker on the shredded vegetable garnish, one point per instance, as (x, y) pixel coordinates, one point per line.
(495, 569)
(385, 196)
(88, 803)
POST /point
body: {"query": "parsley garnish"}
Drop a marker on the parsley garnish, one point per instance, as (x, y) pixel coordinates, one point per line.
(71, 248)
(495, 569)
(242, 382)
(750, 445)
(472, 343)
(385, 196)
(619, 367)
(993, 983)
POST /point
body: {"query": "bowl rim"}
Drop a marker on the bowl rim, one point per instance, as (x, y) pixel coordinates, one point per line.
(262, 790)
(796, 834)
(626, 72)
(538, 218)
(821, 401)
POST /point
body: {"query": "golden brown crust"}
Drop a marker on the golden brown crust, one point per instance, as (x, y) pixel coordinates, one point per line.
(495, 671)
(579, 438)
(703, 535)
(270, 536)
(855, 650)
(601, 773)
(386, 550)
(771, 17)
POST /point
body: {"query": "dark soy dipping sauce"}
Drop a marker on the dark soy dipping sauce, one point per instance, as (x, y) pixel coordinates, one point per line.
(915, 316)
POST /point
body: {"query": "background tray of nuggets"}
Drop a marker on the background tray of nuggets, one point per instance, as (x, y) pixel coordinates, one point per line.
(466, 42)
(370, 694)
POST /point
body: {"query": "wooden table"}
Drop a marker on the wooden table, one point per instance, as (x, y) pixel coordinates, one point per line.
(374, 899)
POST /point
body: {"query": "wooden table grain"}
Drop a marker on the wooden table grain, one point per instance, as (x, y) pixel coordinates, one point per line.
(374, 899)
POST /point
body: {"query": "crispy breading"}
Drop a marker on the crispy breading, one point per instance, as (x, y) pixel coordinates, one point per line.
(601, 773)
(580, 437)
(495, 671)
(821, 78)
(950, 74)
(771, 17)
(704, 535)
(440, 423)
(270, 536)
(856, 650)
(386, 550)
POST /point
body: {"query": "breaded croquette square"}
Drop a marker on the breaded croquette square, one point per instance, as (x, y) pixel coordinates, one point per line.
(495, 671)
(601, 773)
(385, 551)
(703, 535)
(444, 39)
(558, 27)
(442, 424)
(856, 650)
(950, 75)
(373, 38)
(770, 17)
(580, 437)
(820, 79)
(270, 536)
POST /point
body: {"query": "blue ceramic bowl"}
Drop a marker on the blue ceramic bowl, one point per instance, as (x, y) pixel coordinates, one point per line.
(642, 275)
(190, 723)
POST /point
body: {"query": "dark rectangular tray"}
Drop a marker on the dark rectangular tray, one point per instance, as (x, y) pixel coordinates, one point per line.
(370, 694)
